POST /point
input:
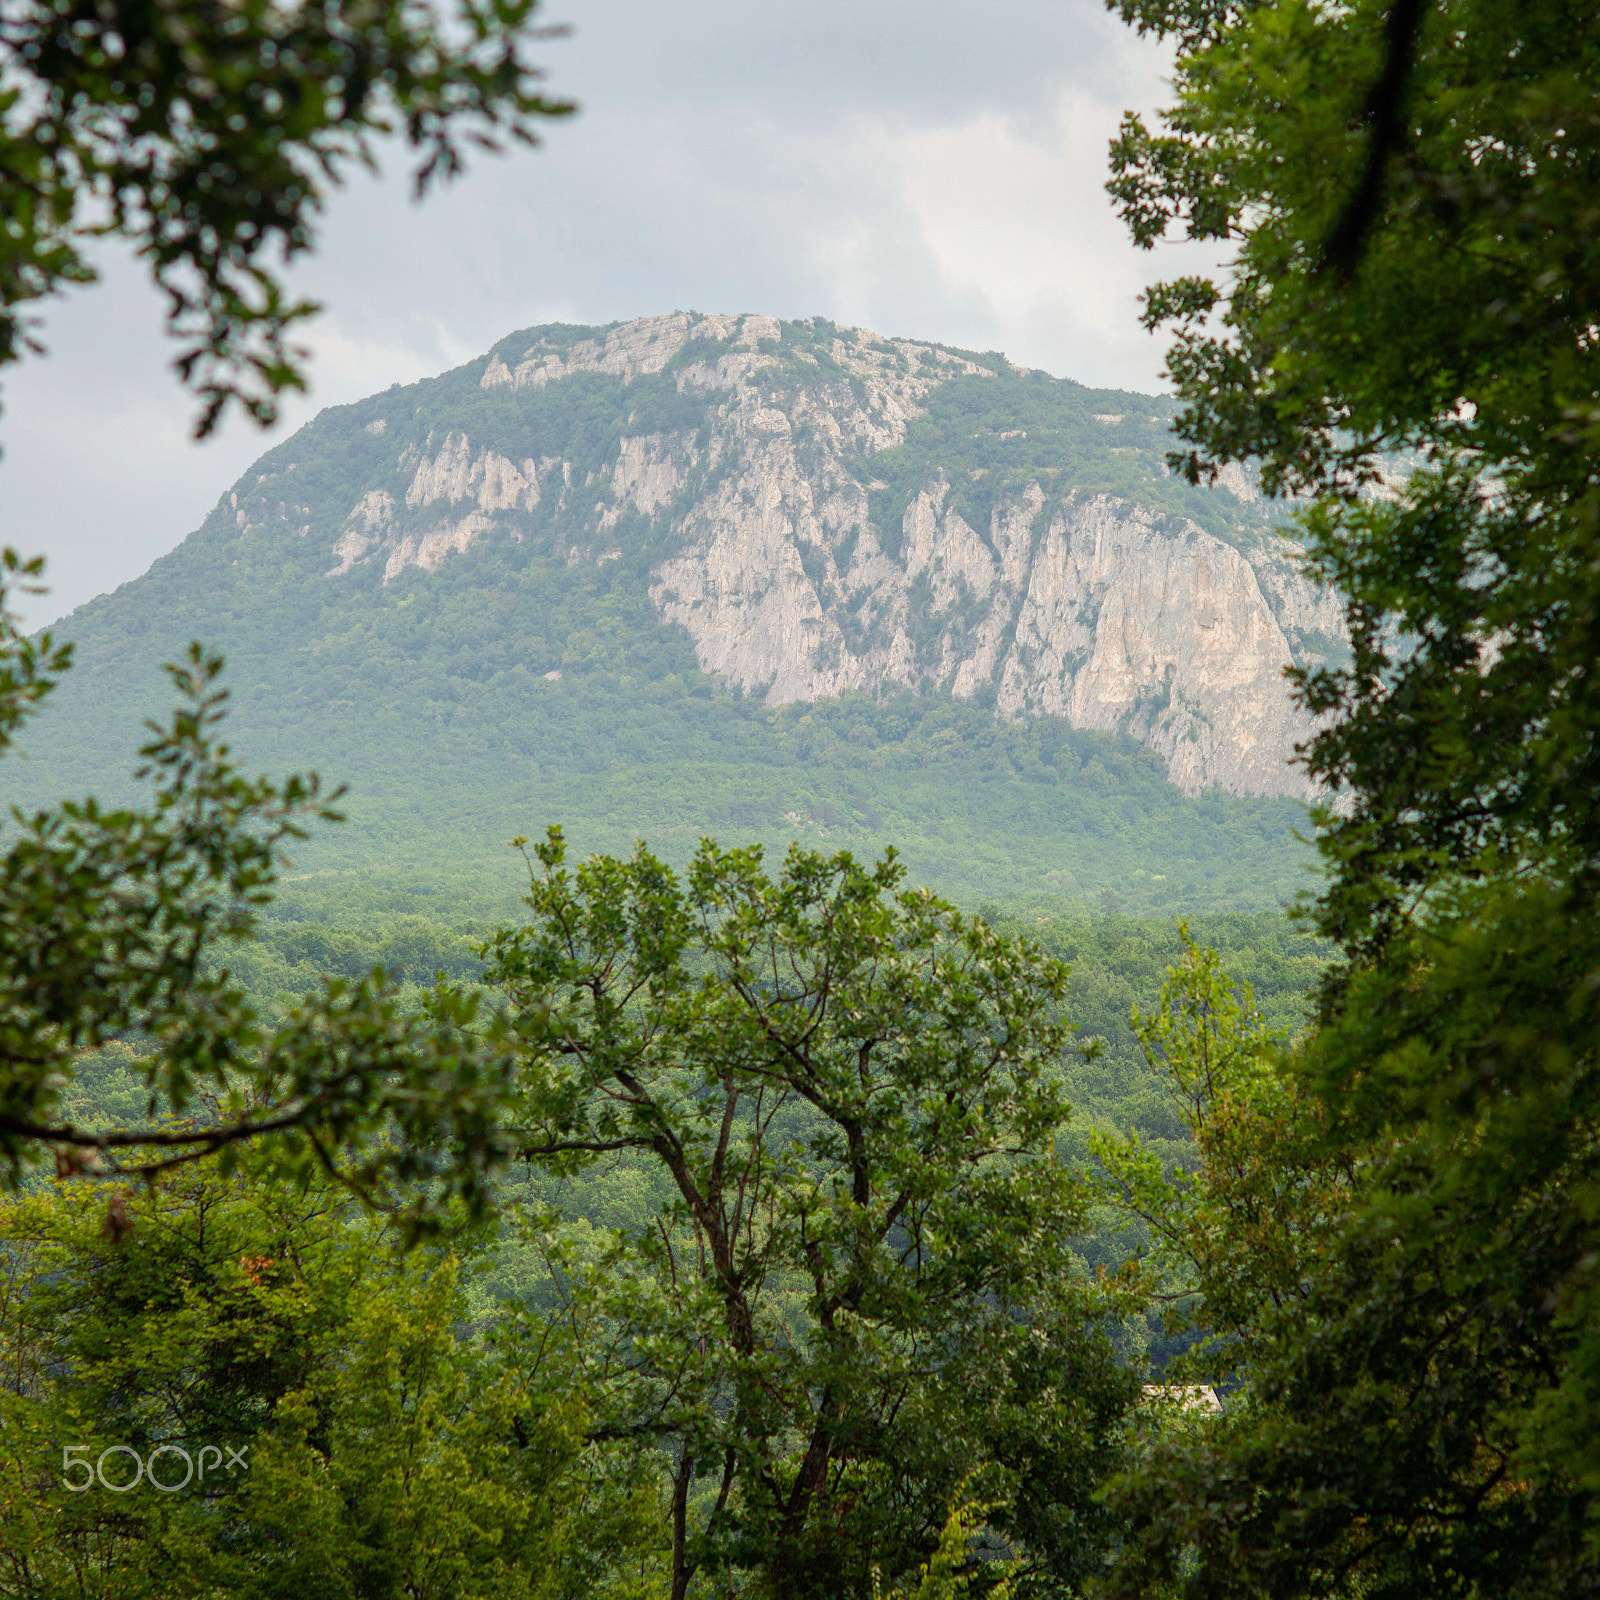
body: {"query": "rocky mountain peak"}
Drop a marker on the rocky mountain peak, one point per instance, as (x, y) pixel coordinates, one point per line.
(826, 510)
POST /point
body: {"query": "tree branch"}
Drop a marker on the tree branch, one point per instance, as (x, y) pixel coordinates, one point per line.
(1384, 114)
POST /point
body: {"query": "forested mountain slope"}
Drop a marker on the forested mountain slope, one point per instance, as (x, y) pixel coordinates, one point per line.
(761, 579)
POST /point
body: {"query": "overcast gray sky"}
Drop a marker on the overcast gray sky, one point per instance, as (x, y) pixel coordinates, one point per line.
(918, 167)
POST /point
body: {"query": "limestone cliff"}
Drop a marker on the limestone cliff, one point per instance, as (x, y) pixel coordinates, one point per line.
(825, 510)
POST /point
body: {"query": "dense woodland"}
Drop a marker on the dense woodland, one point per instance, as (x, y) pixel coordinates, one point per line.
(732, 1221)
(345, 928)
(484, 1428)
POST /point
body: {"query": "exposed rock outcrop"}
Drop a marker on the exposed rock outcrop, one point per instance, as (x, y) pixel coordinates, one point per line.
(1063, 598)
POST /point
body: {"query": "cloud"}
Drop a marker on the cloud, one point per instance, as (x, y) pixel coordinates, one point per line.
(926, 169)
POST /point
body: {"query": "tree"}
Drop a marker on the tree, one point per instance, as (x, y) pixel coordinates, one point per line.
(861, 1293)
(1461, 342)
(1240, 1230)
(262, 1393)
(117, 924)
(1394, 1426)
(1406, 334)
(208, 133)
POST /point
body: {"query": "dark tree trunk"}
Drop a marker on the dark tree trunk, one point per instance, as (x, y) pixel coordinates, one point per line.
(682, 1572)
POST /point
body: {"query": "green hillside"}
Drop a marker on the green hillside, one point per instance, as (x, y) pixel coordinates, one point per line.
(514, 687)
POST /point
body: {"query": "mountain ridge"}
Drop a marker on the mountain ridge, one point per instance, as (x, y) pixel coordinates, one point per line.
(694, 573)
(792, 588)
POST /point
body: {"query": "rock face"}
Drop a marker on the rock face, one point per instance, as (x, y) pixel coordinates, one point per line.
(1068, 578)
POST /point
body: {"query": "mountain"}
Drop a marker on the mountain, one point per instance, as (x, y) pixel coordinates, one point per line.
(764, 579)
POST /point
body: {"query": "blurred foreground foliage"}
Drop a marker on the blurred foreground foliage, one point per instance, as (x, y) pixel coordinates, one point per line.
(1407, 198)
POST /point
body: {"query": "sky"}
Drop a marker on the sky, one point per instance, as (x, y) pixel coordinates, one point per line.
(922, 168)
